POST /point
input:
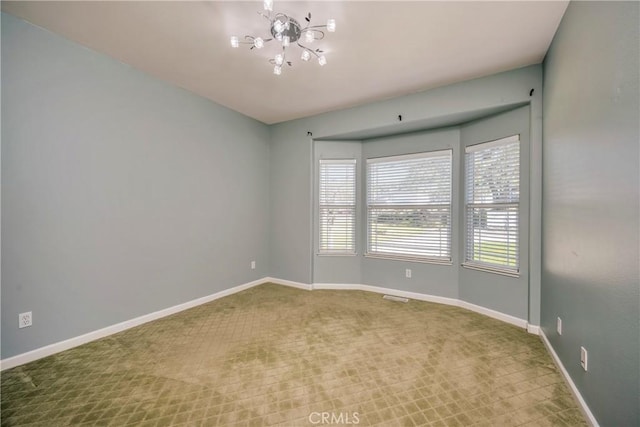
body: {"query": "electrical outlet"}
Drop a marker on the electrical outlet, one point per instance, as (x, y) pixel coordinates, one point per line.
(559, 326)
(407, 273)
(253, 265)
(584, 358)
(25, 319)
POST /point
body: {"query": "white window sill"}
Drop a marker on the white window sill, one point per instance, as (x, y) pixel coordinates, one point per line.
(407, 259)
(336, 254)
(486, 269)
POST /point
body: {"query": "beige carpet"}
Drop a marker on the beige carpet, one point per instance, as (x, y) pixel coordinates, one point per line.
(278, 355)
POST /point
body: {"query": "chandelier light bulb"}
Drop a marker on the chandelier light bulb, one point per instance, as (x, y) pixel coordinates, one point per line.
(285, 41)
(305, 55)
(234, 41)
(322, 60)
(258, 43)
(277, 70)
(278, 26)
(279, 59)
(331, 25)
(268, 5)
(309, 37)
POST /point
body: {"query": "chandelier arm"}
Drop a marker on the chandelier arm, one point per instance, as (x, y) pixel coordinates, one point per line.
(284, 57)
(267, 17)
(272, 61)
(281, 15)
(308, 50)
(251, 40)
(315, 30)
(319, 32)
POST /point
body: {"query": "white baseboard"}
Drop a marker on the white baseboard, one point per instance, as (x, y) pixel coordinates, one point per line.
(533, 329)
(119, 327)
(387, 291)
(521, 323)
(429, 298)
(54, 348)
(572, 386)
(290, 283)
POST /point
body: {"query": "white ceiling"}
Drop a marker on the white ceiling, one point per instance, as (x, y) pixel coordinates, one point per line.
(380, 49)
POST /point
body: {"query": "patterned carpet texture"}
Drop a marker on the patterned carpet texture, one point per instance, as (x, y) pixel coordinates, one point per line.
(275, 355)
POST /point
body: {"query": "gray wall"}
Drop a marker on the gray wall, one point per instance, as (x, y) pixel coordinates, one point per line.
(291, 184)
(291, 247)
(292, 162)
(505, 294)
(121, 194)
(591, 204)
(426, 278)
(338, 268)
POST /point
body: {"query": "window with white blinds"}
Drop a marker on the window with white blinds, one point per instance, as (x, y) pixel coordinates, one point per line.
(337, 206)
(409, 206)
(492, 200)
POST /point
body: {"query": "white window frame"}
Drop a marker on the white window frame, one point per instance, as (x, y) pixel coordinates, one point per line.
(393, 250)
(507, 210)
(325, 248)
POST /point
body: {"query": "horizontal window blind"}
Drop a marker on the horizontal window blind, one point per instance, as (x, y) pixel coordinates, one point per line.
(492, 201)
(409, 206)
(337, 206)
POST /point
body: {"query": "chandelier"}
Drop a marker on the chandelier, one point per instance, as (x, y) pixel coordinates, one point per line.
(287, 32)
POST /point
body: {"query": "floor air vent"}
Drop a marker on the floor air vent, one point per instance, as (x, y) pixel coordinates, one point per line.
(395, 298)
